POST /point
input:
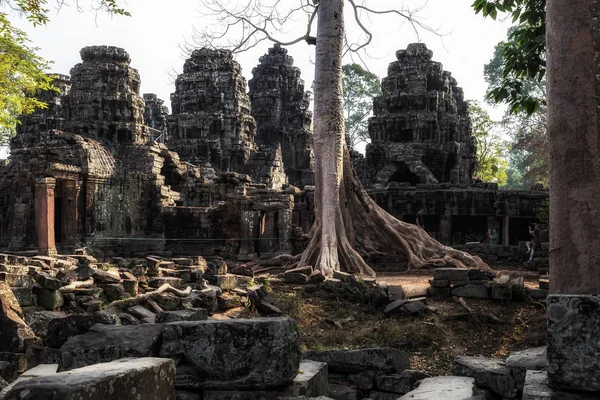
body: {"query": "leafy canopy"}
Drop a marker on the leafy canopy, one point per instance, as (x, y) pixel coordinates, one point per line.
(22, 70)
(491, 164)
(523, 55)
(360, 87)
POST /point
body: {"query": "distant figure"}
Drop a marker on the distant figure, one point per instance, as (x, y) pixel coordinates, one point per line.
(493, 235)
(536, 242)
(419, 219)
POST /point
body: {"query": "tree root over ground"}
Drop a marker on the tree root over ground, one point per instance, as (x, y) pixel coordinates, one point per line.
(364, 229)
(153, 295)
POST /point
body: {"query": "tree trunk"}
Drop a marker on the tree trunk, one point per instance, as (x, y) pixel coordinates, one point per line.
(573, 141)
(348, 223)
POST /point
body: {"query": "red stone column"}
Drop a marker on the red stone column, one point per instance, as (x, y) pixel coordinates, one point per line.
(70, 194)
(44, 214)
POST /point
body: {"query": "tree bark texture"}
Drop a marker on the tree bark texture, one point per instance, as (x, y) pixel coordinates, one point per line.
(348, 223)
(573, 141)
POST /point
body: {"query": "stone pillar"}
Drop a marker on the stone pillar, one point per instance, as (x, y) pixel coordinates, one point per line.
(19, 227)
(44, 214)
(70, 195)
(267, 242)
(248, 232)
(284, 225)
(506, 231)
(445, 229)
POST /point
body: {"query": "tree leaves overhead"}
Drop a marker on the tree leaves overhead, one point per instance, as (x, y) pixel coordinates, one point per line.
(360, 87)
(523, 54)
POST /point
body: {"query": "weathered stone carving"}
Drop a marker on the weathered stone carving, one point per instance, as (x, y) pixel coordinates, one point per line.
(421, 129)
(211, 118)
(281, 109)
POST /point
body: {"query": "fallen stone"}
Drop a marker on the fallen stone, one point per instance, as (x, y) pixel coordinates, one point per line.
(491, 373)
(141, 312)
(544, 284)
(114, 291)
(402, 383)
(294, 277)
(386, 360)
(343, 392)
(395, 292)
(414, 307)
(443, 387)
(365, 381)
(47, 281)
(105, 343)
(106, 318)
(537, 388)
(311, 380)
(377, 395)
(394, 307)
(49, 299)
(501, 292)
(38, 321)
(36, 355)
(13, 330)
(36, 372)
(194, 314)
(25, 296)
(132, 379)
(451, 274)
(480, 275)
(16, 280)
(473, 291)
(212, 350)
(11, 365)
(520, 362)
(267, 308)
(105, 277)
(158, 281)
(439, 292)
(62, 328)
(537, 294)
(228, 301)
(439, 283)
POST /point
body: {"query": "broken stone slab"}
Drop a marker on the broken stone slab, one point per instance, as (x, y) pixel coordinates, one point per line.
(294, 277)
(105, 343)
(38, 321)
(62, 328)
(105, 277)
(129, 379)
(444, 387)
(520, 362)
(537, 294)
(395, 292)
(377, 395)
(394, 307)
(311, 381)
(439, 283)
(386, 360)
(11, 365)
(490, 373)
(13, 330)
(49, 299)
(213, 352)
(451, 274)
(16, 280)
(537, 388)
(158, 281)
(439, 292)
(501, 292)
(573, 347)
(343, 392)
(36, 372)
(141, 312)
(472, 291)
(36, 355)
(402, 383)
(25, 296)
(192, 314)
(47, 281)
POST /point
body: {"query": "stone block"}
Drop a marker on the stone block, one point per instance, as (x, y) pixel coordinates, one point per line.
(343, 392)
(573, 346)
(158, 281)
(130, 379)
(501, 292)
(377, 395)
(439, 283)
(105, 343)
(17, 280)
(395, 292)
(105, 277)
(522, 361)
(443, 387)
(537, 294)
(311, 380)
(402, 383)
(385, 360)
(474, 291)
(294, 277)
(233, 354)
(49, 299)
(25, 296)
(480, 275)
(38, 321)
(544, 284)
(537, 388)
(490, 373)
(451, 274)
(439, 292)
(36, 355)
(192, 314)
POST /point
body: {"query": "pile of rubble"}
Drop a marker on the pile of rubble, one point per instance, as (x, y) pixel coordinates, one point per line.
(472, 283)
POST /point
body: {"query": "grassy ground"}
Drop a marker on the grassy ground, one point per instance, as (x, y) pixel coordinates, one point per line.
(433, 339)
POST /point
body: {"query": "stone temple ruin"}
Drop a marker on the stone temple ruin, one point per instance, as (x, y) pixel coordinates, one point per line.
(229, 173)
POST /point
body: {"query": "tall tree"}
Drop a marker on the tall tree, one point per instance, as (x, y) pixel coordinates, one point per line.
(491, 163)
(360, 87)
(348, 225)
(528, 152)
(22, 70)
(573, 129)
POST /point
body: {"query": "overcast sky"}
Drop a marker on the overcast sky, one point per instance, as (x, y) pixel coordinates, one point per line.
(153, 36)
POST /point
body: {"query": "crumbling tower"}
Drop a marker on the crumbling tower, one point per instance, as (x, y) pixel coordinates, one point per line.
(104, 101)
(281, 109)
(210, 118)
(421, 130)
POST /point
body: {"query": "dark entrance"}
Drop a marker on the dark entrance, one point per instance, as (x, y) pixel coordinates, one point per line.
(58, 213)
(403, 174)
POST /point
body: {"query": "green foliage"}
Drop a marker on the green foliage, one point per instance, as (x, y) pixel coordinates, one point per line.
(22, 75)
(491, 164)
(523, 55)
(360, 87)
(527, 154)
(22, 70)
